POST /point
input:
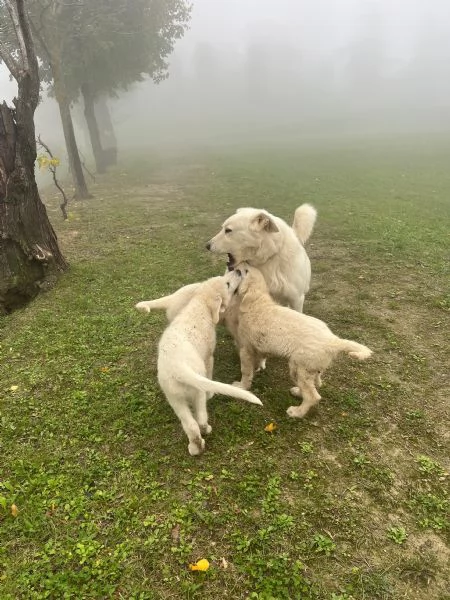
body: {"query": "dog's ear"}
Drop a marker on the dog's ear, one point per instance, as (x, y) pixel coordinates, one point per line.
(263, 222)
(217, 307)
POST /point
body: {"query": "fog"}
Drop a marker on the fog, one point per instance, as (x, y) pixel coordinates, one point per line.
(261, 69)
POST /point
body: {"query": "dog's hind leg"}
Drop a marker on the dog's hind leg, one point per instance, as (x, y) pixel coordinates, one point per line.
(189, 424)
(318, 379)
(201, 412)
(307, 389)
(248, 358)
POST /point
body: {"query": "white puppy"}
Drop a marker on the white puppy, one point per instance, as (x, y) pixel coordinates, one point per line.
(270, 244)
(185, 358)
(266, 328)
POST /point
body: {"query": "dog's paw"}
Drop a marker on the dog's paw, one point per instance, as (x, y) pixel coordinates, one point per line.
(206, 429)
(296, 412)
(238, 384)
(197, 447)
(261, 365)
(142, 306)
(295, 391)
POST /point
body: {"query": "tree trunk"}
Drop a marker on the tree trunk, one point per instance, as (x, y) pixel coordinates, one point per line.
(94, 133)
(30, 257)
(107, 135)
(81, 190)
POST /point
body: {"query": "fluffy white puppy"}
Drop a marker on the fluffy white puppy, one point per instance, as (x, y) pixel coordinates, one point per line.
(266, 328)
(185, 358)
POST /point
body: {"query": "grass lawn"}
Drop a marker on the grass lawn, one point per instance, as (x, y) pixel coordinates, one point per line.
(349, 503)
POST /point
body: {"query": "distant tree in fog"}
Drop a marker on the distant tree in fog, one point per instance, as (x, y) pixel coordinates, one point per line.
(120, 43)
(258, 71)
(98, 49)
(366, 62)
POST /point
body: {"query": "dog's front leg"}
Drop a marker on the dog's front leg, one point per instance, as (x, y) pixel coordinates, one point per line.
(248, 358)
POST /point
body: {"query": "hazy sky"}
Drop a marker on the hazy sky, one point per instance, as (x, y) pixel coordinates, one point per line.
(319, 27)
(324, 36)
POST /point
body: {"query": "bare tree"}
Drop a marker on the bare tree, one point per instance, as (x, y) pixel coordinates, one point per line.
(30, 257)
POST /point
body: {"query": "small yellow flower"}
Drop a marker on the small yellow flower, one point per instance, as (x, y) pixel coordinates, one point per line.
(104, 369)
(200, 565)
(14, 510)
(13, 388)
(270, 427)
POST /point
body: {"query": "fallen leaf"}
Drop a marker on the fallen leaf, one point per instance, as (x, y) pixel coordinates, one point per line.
(13, 388)
(270, 427)
(14, 510)
(200, 565)
(104, 369)
(223, 563)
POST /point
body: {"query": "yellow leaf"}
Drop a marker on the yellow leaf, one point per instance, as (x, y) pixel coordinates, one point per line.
(14, 510)
(270, 427)
(104, 369)
(200, 565)
(13, 388)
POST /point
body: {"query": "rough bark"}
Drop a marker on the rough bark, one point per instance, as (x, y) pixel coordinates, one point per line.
(30, 258)
(94, 133)
(76, 168)
(107, 134)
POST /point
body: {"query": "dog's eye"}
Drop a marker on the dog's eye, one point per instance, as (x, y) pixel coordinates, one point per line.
(228, 230)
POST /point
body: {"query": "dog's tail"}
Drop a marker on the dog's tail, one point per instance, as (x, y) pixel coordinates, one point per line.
(353, 349)
(216, 387)
(304, 219)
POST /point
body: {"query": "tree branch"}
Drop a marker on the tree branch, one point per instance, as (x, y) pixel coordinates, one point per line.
(9, 61)
(52, 168)
(13, 13)
(27, 40)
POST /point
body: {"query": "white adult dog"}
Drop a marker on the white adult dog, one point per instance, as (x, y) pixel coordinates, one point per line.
(270, 244)
(185, 358)
(266, 328)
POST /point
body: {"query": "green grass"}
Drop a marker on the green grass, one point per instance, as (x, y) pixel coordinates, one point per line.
(349, 503)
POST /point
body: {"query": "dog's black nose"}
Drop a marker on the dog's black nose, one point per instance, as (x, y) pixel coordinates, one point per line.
(239, 272)
(208, 246)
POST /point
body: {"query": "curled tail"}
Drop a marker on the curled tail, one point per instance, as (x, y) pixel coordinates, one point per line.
(353, 349)
(304, 219)
(208, 385)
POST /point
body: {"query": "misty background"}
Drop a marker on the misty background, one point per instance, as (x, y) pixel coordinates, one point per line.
(261, 69)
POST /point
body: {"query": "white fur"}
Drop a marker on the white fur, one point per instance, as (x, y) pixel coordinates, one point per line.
(266, 328)
(276, 249)
(185, 358)
(172, 304)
